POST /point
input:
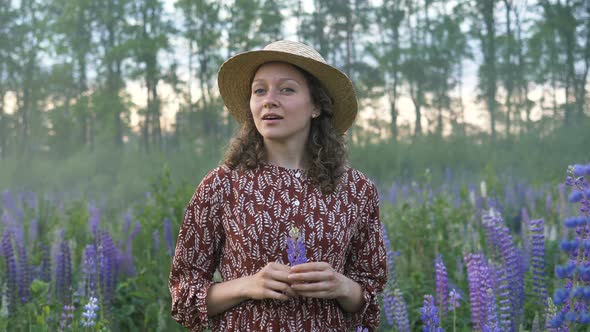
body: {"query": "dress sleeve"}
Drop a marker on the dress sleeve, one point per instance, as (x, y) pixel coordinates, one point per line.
(367, 264)
(197, 254)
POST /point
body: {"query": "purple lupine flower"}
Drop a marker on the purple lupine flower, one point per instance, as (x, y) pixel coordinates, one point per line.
(400, 311)
(107, 259)
(296, 248)
(136, 230)
(480, 282)
(63, 271)
(11, 206)
(573, 298)
(442, 286)
(509, 272)
(25, 278)
(537, 254)
(362, 329)
(89, 271)
(89, 315)
(67, 316)
(429, 315)
(548, 203)
(454, 299)
(395, 308)
(579, 170)
(94, 219)
(45, 268)
(11, 272)
(168, 236)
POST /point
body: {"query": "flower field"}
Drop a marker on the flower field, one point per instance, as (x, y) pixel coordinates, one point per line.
(499, 255)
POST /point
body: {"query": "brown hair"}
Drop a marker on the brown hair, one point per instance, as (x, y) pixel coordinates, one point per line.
(326, 148)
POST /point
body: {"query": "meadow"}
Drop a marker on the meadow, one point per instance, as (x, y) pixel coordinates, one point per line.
(480, 237)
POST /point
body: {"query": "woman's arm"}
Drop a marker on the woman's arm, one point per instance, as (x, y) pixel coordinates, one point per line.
(352, 298)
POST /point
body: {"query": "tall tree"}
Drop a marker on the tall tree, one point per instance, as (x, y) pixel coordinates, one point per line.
(415, 64)
(485, 30)
(560, 47)
(241, 29)
(73, 41)
(390, 17)
(202, 25)
(446, 53)
(112, 29)
(7, 15)
(271, 22)
(150, 38)
(30, 35)
(508, 63)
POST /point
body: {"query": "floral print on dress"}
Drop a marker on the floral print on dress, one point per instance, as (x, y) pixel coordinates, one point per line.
(238, 221)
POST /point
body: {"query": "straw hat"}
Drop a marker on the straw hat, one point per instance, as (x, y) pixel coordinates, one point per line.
(235, 76)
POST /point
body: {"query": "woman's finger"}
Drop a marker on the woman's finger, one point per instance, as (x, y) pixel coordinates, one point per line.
(311, 287)
(309, 276)
(279, 287)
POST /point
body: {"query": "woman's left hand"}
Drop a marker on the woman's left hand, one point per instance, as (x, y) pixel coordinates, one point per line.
(319, 280)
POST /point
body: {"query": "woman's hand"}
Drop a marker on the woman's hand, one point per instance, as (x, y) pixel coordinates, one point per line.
(317, 279)
(271, 282)
(320, 280)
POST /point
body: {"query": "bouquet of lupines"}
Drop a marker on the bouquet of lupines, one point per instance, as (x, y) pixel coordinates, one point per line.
(571, 302)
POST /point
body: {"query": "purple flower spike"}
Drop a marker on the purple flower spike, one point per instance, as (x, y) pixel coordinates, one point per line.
(296, 248)
(429, 315)
(442, 286)
(537, 254)
(454, 299)
(571, 298)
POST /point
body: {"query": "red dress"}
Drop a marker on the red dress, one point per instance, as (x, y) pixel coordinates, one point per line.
(238, 221)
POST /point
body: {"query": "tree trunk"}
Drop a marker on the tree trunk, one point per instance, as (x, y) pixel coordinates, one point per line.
(509, 75)
(489, 54)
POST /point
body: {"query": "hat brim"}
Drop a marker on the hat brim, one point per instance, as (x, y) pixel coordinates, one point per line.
(235, 75)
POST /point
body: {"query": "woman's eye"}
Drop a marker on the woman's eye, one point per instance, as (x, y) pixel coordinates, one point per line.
(258, 91)
(288, 90)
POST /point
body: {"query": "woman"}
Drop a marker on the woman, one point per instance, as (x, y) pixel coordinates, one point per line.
(283, 190)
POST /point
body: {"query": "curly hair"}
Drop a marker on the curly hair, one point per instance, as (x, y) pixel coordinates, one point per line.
(325, 148)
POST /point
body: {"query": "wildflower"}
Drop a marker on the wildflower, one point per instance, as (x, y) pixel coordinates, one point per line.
(429, 315)
(442, 285)
(572, 299)
(537, 254)
(362, 329)
(89, 270)
(94, 219)
(509, 275)
(67, 316)
(296, 248)
(11, 285)
(107, 260)
(63, 271)
(89, 314)
(454, 299)
(168, 236)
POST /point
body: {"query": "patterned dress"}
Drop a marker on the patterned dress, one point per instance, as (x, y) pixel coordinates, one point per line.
(238, 221)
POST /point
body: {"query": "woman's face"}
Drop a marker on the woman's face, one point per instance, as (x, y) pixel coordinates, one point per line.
(281, 103)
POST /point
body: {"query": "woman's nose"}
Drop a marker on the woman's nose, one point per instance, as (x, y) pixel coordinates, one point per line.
(270, 100)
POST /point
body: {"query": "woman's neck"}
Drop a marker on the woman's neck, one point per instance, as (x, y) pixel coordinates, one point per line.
(286, 155)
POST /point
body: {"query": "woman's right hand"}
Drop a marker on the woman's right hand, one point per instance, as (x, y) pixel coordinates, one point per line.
(270, 282)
